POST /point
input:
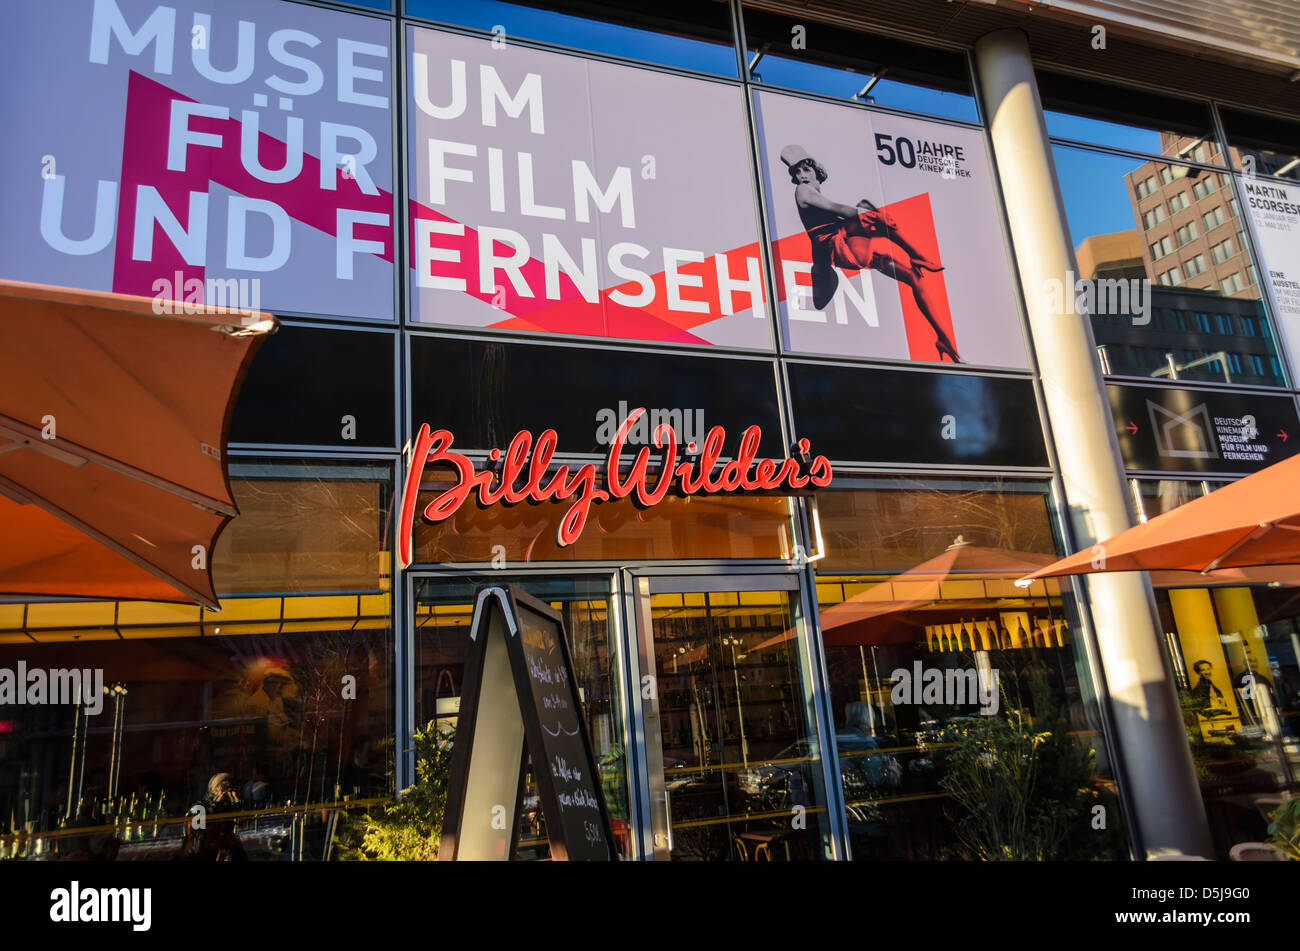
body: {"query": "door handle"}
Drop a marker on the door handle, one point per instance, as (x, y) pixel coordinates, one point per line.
(668, 813)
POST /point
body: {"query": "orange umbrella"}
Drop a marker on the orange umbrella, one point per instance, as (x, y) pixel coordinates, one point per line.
(113, 425)
(1252, 522)
(919, 585)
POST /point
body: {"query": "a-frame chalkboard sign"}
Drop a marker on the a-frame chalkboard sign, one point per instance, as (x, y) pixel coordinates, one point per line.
(519, 687)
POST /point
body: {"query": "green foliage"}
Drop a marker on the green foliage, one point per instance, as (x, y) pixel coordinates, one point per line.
(1284, 828)
(1024, 788)
(408, 828)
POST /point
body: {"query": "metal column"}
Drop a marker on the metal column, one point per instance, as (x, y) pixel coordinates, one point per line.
(1155, 759)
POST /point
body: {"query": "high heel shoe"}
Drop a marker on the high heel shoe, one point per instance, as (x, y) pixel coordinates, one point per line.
(943, 348)
(920, 265)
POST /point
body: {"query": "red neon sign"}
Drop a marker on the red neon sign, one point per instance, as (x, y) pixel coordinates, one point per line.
(526, 461)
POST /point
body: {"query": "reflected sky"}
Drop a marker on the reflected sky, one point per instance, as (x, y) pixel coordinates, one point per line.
(581, 33)
(1093, 188)
(842, 84)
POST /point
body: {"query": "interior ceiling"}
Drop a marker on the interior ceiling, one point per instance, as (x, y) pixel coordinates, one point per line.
(1062, 39)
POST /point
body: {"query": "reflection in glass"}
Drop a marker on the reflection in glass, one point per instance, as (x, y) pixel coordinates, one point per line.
(740, 756)
(1201, 317)
(932, 662)
(689, 35)
(1263, 145)
(443, 611)
(1233, 651)
(1131, 119)
(268, 713)
(839, 62)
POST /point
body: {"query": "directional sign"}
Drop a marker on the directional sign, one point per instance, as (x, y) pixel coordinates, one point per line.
(520, 693)
(1165, 429)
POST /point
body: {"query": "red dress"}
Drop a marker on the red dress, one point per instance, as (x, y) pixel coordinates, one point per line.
(851, 244)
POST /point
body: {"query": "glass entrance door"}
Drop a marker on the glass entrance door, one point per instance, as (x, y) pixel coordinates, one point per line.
(732, 758)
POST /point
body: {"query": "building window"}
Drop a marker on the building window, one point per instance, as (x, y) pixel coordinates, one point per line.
(1162, 247)
(1194, 266)
(1186, 233)
(1178, 202)
(1213, 218)
(247, 698)
(1203, 322)
(1232, 283)
(1222, 251)
(1170, 278)
(1154, 216)
(1146, 187)
(1203, 187)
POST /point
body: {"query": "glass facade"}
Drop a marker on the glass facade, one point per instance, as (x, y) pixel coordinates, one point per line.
(733, 218)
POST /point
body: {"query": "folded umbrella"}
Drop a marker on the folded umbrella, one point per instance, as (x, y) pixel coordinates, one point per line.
(113, 426)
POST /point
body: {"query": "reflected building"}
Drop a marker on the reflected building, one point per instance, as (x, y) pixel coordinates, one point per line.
(1193, 331)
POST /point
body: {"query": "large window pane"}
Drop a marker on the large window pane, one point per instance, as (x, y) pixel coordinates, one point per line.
(443, 611)
(1234, 651)
(267, 713)
(1162, 251)
(942, 671)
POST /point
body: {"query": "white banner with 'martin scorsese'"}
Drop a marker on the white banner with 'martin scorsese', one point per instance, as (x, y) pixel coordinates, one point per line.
(1275, 213)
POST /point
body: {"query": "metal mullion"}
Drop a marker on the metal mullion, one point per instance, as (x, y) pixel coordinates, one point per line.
(622, 634)
(824, 718)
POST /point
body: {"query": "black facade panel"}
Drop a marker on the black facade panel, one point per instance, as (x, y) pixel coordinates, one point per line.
(305, 380)
(486, 391)
(859, 414)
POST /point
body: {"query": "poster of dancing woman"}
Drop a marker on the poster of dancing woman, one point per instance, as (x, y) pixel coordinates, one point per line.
(901, 255)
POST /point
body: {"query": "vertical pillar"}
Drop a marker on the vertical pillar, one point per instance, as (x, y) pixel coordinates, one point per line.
(1156, 764)
(1236, 608)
